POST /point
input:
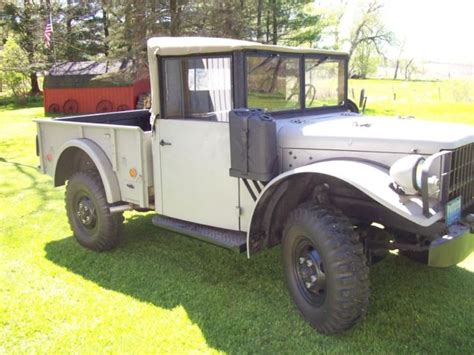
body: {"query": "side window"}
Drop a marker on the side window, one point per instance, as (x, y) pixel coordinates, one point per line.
(324, 82)
(198, 88)
(273, 82)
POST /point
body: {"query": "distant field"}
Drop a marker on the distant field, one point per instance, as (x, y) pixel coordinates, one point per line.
(450, 100)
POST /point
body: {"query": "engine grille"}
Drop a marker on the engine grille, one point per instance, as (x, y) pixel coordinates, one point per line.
(461, 175)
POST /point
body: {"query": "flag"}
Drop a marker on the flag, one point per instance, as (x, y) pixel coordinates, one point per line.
(48, 32)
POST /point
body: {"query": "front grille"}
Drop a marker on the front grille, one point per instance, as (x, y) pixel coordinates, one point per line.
(461, 175)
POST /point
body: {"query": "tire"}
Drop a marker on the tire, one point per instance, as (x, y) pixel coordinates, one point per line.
(85, 198)
(339, 297)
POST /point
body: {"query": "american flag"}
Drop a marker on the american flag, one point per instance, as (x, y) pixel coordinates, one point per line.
(48, 32)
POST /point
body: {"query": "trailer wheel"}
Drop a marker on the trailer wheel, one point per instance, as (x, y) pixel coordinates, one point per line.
(93, 225)
(53, 108)
(104, 106)
(325, 268)
(71, 106)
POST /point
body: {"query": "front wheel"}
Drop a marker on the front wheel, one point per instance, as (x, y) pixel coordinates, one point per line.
(93, 225)
(325, 268)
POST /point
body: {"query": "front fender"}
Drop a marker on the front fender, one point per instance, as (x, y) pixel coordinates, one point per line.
(371, 179)
(101, 161)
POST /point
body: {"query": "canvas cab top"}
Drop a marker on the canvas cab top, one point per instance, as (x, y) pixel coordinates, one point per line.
(179, 46)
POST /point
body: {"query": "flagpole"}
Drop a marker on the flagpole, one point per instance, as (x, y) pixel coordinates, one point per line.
(53, 49)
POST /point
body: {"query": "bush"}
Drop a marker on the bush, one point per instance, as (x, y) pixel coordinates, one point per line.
(14, 68)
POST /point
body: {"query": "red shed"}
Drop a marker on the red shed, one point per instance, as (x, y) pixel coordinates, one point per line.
(87, 87)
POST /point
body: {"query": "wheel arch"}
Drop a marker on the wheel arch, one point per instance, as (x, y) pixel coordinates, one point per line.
(362, 186)
(67, 164)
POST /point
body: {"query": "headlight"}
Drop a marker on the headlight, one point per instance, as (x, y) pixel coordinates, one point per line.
(406, 172)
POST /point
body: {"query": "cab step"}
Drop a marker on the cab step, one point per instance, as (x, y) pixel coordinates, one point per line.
(225, 238)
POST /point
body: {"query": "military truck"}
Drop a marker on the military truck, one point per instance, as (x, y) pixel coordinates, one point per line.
(248, 146)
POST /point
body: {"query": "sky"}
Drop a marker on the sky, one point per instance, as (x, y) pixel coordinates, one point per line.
(436, 30)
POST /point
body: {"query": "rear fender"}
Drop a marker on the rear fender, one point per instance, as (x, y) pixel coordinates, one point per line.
(369, 178)
(101, 161)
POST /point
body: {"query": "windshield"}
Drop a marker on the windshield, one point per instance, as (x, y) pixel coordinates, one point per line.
(274, 81)
(324, 82)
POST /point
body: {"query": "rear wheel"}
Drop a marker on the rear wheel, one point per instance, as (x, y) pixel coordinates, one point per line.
(325, 268)
(93, 225)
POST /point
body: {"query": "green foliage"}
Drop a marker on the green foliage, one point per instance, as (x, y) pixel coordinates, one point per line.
(78, 31)
(24, 23)
(14, 68)
(298, 23)
(364, 61)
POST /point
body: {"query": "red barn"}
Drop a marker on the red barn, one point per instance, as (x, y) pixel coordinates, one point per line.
(88, 87)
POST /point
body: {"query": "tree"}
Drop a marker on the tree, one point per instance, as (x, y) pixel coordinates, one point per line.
(14, 68)
(292, 22)
(364, 61)
(24, 23)
(369, 31)
(399, 57)
(409, 68)
(83, 35)
(331, 19)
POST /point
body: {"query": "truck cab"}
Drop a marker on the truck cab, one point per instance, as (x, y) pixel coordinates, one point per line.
(249, 146)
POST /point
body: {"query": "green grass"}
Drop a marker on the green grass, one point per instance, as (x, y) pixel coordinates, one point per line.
(162, 292)
(450, 101)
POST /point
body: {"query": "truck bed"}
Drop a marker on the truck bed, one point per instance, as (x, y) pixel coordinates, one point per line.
(136, 118)
(124, 137)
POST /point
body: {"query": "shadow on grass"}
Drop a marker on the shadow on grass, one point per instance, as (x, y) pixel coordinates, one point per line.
(242, 305)
(31, 172)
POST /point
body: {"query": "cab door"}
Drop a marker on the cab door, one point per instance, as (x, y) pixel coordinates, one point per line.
(193, 141)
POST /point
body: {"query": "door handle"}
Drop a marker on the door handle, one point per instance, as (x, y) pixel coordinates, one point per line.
(162, 143)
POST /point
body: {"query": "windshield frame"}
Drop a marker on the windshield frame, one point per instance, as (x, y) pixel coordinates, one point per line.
(302, 80)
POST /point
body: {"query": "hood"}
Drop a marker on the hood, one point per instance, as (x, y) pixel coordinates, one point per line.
(353, 132)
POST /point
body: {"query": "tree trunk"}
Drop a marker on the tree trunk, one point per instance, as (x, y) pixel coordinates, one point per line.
(259, 21)
(175, 18)
(267, 27)
(35, 90)
(105, 23)
(274, 22)
(275, 76)
(397, 66)
(407, 73)
(29, 47)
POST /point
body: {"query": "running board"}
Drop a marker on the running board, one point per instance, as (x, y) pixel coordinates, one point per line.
(218, 236)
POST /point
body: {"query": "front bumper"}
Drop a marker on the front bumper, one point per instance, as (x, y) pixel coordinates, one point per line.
(452, 248)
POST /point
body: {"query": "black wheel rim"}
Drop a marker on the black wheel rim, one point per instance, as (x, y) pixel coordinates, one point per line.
(85, 211)
(309, 272)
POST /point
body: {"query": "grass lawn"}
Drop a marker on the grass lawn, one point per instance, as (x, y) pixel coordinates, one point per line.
(450, 101)
(162, 292)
